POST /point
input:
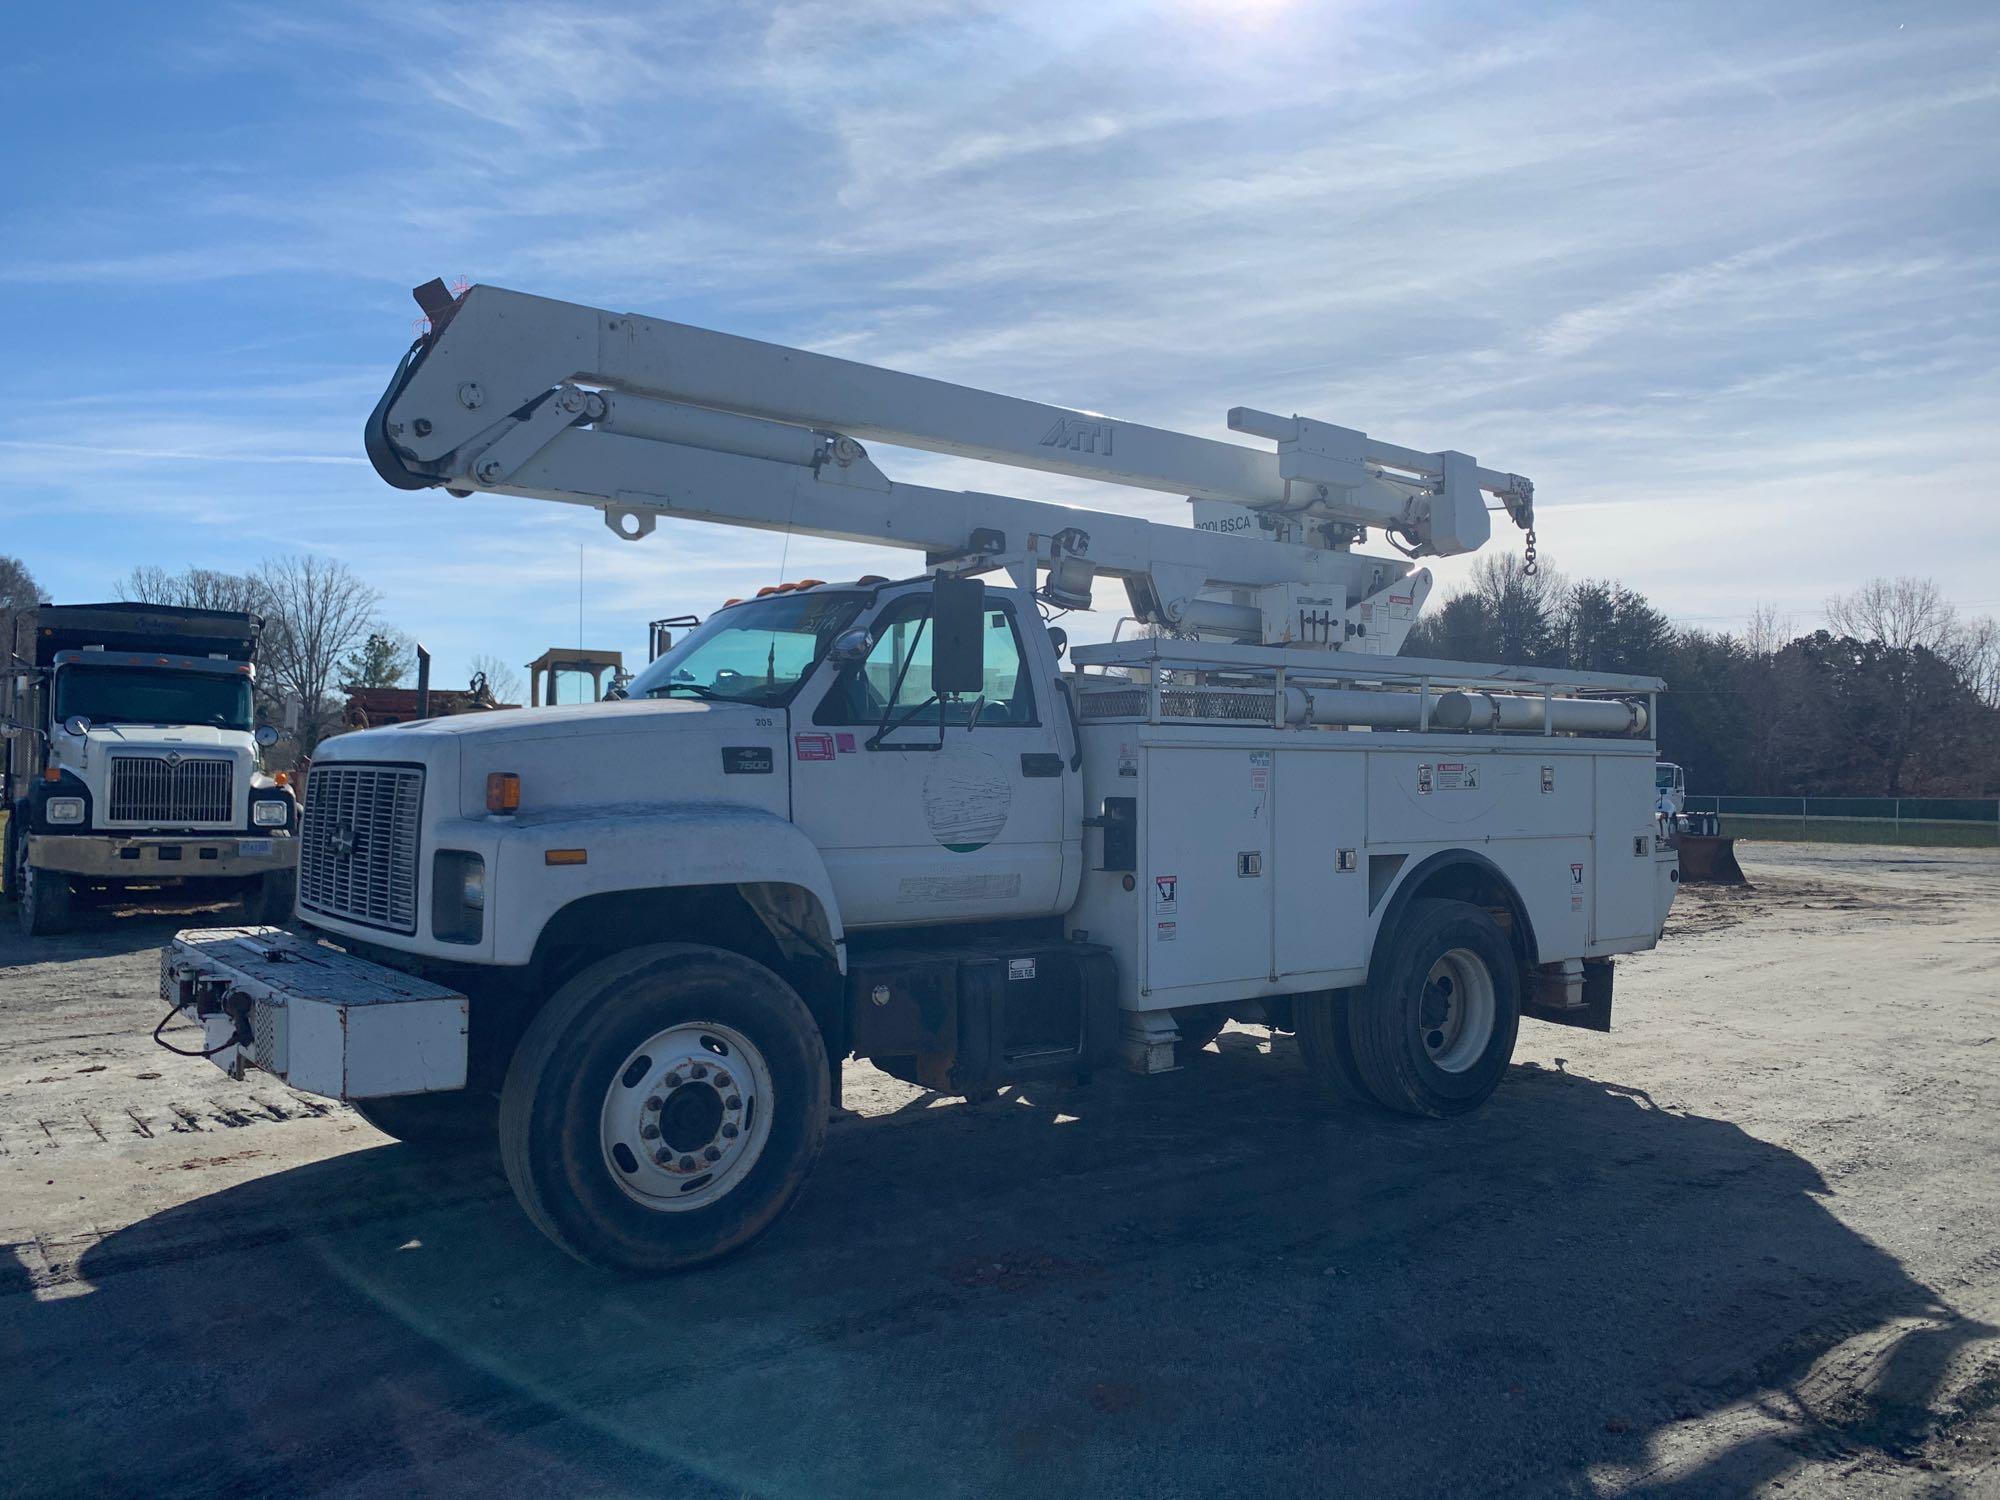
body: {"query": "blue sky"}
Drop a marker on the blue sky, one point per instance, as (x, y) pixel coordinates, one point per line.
(1721, 278)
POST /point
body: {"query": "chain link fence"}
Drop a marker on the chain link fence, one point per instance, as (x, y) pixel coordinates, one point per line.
(1858, 820)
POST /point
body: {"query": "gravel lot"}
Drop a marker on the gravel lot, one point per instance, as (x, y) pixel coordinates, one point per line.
(1749, 1241)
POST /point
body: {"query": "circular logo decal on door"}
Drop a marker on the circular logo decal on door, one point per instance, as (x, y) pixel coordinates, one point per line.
(966, 799)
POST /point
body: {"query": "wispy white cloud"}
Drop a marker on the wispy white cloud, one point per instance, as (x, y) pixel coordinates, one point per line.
(1714, 270)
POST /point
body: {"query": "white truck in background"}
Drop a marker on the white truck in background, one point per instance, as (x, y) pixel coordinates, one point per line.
(133, 756)
(901, 819)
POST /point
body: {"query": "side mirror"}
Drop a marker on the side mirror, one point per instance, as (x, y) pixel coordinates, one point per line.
(77, 724)
(958, 626)
(851, 645)
(266, 736)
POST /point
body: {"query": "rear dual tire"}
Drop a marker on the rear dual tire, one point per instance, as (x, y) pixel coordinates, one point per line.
(1433, 1030)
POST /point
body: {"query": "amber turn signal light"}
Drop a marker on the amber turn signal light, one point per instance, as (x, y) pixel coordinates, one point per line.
(503, 792)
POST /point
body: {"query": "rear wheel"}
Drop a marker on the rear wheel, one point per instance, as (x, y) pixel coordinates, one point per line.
(10, 882)
(664, 1108)
(435, 1121)
(1322, 1024)
(1433, 1030)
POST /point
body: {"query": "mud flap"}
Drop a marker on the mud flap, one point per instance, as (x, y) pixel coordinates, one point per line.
(1592, 1012)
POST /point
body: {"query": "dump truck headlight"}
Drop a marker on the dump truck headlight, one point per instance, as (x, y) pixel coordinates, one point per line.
(63, 809)
(272, 812)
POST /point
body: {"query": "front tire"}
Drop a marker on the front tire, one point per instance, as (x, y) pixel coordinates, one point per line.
(43, 895)
(1433, 1030)
(664, 1108)
(269, 899)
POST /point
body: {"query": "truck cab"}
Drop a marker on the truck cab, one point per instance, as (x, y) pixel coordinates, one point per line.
(133, 756)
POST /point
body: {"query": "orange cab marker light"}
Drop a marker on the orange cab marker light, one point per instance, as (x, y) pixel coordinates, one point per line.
(50, 773)
(727, 602)
(766, 591)
(566, 857)
(281, 778)
(503, 792)
(871, 578)
(809, 583)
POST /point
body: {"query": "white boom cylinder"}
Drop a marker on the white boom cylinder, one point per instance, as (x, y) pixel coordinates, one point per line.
(1479, 712)
(717, 431)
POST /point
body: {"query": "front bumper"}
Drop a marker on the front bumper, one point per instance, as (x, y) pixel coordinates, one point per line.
(190, 856)
(324, 1021)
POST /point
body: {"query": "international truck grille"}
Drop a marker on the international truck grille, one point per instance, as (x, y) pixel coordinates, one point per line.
(158, 790)
(358, 844)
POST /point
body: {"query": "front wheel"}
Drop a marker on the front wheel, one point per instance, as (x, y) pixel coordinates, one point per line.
(664, 1108)
(1433, 1030)
(268, 900)
(43, 895)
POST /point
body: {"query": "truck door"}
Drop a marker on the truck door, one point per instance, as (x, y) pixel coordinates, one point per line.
(918, 826)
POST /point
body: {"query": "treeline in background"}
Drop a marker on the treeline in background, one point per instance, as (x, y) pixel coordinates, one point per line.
(1898, 696)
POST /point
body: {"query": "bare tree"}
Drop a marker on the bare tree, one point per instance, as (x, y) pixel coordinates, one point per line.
(501, 679)
(19, 594)
(1768, 632)
(195, 588)
(318, 612)
(1898, 612)
(1981, 663)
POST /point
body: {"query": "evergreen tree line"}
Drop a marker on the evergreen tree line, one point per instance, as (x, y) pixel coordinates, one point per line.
(1897, 696)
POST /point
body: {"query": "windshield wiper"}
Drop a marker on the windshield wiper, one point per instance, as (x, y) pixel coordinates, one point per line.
(689, 687)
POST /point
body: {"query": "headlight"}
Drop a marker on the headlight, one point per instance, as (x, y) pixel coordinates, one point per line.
(272, 812)
(458, 896)
(63, 809)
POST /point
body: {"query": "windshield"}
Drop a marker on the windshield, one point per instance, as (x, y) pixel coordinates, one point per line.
(752, 653)
(141, 695)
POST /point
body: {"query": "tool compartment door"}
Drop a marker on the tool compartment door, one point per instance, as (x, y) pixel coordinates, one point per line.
(1208, 865)
(1624, 878)
(1321, 898)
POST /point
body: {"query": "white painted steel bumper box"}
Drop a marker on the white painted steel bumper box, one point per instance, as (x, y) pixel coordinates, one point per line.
(324, 1021)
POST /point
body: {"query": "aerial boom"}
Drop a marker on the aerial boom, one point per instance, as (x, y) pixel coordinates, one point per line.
(516, 394)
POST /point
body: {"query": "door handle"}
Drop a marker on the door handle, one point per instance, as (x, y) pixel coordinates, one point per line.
(1038, 763)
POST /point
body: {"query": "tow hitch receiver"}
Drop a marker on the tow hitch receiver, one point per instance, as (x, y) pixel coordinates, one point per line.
(324, 1021)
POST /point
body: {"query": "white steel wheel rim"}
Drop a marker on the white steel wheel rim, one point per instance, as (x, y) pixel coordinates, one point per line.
(1455, 1012)
(686, 1116)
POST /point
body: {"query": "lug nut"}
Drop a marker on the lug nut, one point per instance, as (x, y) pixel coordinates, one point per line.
(729, 1132)
(655, 1104)
(710, 1153)
(732, 1102)
(697, 1071)
(687, 1164)
(674, 1080)
(721, 1079)
(663, 1157)
(649, 1132)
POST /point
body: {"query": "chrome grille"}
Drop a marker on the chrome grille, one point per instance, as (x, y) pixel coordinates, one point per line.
(154, 789)
(358, 844)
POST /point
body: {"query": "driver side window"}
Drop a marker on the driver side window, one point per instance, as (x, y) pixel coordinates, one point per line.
(867, 690)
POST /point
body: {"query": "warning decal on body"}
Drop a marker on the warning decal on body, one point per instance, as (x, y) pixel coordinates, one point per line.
(1576, 887)
(1164, 931)
(1457, 776)
(1423, 781)
(812, 746)
(1165, 888)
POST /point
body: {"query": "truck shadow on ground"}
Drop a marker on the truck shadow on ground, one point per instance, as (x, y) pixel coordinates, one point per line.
(1202, 1283)
(105, 924)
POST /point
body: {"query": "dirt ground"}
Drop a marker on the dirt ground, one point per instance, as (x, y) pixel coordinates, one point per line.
(1749, 1242)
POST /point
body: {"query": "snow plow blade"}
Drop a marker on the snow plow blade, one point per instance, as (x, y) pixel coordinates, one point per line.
(1709, 859)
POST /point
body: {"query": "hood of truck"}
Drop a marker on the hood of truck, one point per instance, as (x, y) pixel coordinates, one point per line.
(129, 738)
(593, 755)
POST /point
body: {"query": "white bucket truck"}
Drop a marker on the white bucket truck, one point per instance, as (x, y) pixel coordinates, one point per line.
(897, 819)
